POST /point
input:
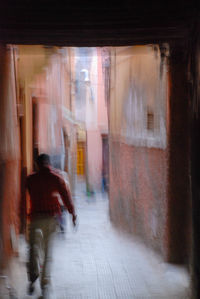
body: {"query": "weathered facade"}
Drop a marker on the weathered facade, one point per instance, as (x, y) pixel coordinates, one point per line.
(138, 137)
(143, 172)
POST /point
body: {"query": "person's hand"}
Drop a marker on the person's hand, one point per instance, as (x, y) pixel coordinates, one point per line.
(74, 218)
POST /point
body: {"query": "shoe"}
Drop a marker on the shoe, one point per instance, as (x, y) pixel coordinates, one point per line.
(31, 288)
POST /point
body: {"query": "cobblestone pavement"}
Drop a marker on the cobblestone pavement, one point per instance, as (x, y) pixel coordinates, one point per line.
(97, 261)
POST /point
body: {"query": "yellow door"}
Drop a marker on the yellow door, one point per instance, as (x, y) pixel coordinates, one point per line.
(80, 158)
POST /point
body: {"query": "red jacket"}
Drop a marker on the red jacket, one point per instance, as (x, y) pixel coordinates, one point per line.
(44, 188)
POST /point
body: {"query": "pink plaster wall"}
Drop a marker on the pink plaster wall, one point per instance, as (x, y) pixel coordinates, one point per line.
(102, 107)
(94, 135)
(94, 154)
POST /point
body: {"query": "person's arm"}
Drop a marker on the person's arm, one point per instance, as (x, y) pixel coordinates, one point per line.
(67, 199)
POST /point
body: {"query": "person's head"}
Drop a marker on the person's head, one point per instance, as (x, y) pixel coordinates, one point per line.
(43, 160)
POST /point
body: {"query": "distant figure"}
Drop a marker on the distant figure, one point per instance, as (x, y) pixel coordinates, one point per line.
(44, 187)
(104, 187)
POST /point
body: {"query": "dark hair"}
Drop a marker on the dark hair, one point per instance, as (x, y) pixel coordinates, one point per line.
(43, 160)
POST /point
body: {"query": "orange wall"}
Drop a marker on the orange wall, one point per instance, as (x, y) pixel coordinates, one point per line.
(9, 154)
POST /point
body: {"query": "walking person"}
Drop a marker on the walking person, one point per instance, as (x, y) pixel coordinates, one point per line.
(44, 187)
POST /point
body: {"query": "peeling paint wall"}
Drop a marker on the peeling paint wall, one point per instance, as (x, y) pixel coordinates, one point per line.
(138, 143)
(138, 96)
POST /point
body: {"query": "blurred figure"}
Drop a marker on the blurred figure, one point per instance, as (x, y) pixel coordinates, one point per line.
(62, 217)
(44, 187)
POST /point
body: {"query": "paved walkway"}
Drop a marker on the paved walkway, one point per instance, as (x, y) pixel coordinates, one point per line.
(96, 261)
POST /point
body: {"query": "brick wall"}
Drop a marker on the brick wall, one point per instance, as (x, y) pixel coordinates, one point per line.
(138, 191)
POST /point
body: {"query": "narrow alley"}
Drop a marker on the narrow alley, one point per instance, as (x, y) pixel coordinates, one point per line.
(79, 123)
(96, 261)
(107, 92)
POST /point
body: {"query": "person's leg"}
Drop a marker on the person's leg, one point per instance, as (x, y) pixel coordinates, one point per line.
(33, 266)
(49, 227)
